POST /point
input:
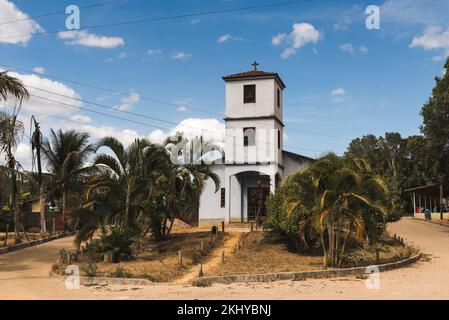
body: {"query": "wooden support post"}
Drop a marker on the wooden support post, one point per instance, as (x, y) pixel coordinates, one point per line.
(222, 257)
(441, 202)
(414, 204)
(223, 226)
(180, 258)
(5, 243)
(200, 271)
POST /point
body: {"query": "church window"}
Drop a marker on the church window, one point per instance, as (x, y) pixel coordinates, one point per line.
(223, 197)
(249, 137)
(249, 93)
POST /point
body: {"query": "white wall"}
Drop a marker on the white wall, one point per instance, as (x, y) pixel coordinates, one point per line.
(266, 101)
(210, 211)
(293, 165)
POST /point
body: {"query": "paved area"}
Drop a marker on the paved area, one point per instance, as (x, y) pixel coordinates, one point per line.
(24, 275)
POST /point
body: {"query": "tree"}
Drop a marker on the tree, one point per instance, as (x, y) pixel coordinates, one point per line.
(11, 130)
(130, 172)
(66, 154)
(435, 127)
(334, 200)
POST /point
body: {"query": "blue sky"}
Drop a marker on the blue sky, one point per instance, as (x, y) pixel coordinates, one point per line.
(345, 82)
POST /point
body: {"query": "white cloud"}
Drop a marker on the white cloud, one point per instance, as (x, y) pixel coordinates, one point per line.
(302, 34)
(154, 52)
(339, 95)
(40, 70)
(342, 24)
(195, 21)
(278, 39)
(84, 38)
(81, 118)
(433, 38)
(210, 129)
(228, 37)
(35, 104)
(129, 101)
(363, 49)
(23, 29)
(181, 56)
(347, 47)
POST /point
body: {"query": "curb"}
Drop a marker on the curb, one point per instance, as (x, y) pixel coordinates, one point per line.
(432, 221)
(106, 281)
(32, 243)
(302, 275)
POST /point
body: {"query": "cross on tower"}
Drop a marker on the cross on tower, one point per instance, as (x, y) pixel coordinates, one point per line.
(255, 65)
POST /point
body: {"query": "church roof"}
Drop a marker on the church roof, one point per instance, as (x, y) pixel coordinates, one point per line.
(254, 74)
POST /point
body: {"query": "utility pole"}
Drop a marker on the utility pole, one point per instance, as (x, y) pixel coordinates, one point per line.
(36, 145)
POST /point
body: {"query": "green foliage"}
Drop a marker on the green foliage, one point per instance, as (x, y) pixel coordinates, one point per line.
(121, 272)
(118, 243)
(90, 269)
(333, 201)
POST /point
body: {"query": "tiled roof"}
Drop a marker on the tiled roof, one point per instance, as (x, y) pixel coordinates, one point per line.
(254, 74)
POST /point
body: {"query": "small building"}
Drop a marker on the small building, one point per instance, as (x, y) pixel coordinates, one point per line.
(254, 144)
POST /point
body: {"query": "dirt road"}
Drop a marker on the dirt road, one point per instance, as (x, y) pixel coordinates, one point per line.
(24, 275)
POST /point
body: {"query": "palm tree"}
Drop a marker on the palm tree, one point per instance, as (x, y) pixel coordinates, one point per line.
(132, 170)
(11, 130)
(66, 155)
(349, 199)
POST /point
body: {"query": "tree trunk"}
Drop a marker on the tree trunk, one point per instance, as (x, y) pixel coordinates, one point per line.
(64, 208)
(127, 207)
(343, 248)
(42, 208)
(324, 250)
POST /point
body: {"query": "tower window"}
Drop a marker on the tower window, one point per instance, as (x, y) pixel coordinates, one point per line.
(279, 139)
(279, 97)
(223, 197)
(249, 93)
(249, 137)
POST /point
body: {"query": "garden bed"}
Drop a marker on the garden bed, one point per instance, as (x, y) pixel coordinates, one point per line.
(266, 253)
(158, 262)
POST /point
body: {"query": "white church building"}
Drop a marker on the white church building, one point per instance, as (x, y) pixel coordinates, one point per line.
(253, 148)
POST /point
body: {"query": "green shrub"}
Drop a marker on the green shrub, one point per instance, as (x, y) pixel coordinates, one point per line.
(90, 269)
(121, 272)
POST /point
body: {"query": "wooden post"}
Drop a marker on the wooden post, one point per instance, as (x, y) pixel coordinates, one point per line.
(5, 243)
(420, 205)
(252, 227)
(202, 248)
(414, 204)
(223, 226)
(377, 256)
(107, 258)
(222, 257)
(180, 257)
(441, 201)
(200, 271)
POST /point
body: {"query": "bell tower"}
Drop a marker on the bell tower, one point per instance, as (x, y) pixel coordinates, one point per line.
(254, 117)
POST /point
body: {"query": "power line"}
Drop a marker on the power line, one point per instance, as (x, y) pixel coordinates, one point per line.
(147, 20)
(60, 12)
(150, 100)
(113, 91)
(153, 126)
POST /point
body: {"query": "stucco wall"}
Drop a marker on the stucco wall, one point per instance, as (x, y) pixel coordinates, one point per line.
(266, 101)
(210, 208)
(293, 165)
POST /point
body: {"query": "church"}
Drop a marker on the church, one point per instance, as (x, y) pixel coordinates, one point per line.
(253, 149)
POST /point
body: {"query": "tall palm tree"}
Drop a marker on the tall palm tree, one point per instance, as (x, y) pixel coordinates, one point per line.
(66, 154)
(11, 130)
(349, 200)
(131, 170)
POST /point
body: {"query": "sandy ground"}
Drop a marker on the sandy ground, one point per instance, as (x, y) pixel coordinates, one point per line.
(24, 275)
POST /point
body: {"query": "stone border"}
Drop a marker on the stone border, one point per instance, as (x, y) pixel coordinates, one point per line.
(33, 243)
(106, 281)
(437, 222)
(302, 275)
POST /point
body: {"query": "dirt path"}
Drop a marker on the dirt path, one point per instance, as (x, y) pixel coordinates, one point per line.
(213, 261)
(23, 274)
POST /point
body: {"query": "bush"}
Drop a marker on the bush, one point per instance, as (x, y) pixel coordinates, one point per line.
(118, 244)
(120, 272)
(90, 269)
(34, 230)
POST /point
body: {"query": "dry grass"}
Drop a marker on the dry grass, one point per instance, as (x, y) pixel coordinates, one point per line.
(266, 253)
(12, 239)
(160, 263)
